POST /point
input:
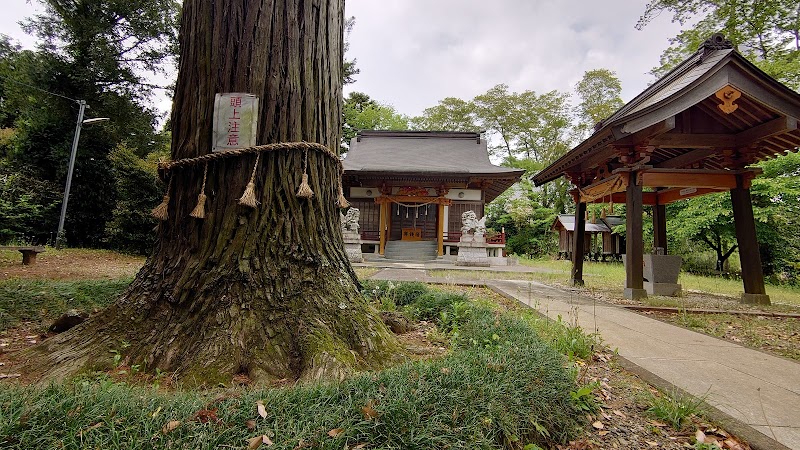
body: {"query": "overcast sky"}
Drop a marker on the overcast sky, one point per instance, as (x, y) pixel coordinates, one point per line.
(413, 53)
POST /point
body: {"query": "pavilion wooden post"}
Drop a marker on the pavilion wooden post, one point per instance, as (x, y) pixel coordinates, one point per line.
(578, 237)
(383, 225)
(752, 271)
(660, 227)
(634, 245)
(440, 228)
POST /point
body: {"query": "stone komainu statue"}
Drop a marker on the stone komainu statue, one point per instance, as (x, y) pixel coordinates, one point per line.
(470, 225)
(350, 220)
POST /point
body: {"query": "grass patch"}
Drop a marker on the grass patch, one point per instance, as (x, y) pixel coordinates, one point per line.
(674, 409)
(777, 335)
(365, 272)
(500, 386)
(609, 278)
(30, 300)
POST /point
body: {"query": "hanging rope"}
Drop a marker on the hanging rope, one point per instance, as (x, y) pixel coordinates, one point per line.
(248, 198)
(411, 205)
(199, 211)
(160, 211)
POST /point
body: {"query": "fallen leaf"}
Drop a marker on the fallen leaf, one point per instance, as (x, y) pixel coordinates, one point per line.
(251, 425)
(360, 446)
(603, 432)
(599, 425)
(171, 425)
(254, 443)
(155, 413)
(445, 370)
(700, 436)
(656, 423)
(262, 411)
(207, 415)
(733, 445)
(368, 411)
(652, 443)
(93, 427)
(335, 432)
(619, 413)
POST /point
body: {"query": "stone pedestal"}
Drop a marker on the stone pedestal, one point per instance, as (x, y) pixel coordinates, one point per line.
(661, 273)
(472, 251)
(352, 246)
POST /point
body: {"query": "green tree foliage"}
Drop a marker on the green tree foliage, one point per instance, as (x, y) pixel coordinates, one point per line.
(360, 112)
(349, 69)
(766, 32)
(92, 50)
(599, 92)
(497, 112)
(138, 189)
(451, 114)
(709, 220)
(543, 125)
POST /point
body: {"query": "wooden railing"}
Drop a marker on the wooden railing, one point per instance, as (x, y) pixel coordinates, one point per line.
(451, 236)
(455, 236)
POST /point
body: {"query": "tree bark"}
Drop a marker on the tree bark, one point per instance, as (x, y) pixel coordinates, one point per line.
(266, 292)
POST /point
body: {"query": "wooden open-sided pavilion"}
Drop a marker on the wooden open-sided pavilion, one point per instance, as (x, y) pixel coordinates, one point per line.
(697, 130)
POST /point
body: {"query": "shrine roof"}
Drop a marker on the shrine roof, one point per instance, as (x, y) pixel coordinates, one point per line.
(421, 151)
(448, 155)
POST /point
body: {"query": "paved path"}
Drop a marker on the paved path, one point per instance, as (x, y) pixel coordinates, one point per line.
(757, 389)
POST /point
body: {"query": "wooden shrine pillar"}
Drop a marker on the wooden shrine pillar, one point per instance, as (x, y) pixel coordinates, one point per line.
(660, 227)
(752, 271)
(578, 237)
(384, 219)
(440, 228)
(634, 245)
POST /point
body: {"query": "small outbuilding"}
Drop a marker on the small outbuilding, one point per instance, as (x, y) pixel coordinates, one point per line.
(600, 242)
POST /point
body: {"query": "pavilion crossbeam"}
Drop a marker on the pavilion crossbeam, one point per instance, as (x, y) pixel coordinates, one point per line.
(692, 178)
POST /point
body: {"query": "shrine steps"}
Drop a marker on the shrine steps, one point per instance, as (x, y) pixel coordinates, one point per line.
(411, 250)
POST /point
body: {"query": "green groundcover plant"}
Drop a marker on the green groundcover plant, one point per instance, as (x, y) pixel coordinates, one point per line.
(500, 386)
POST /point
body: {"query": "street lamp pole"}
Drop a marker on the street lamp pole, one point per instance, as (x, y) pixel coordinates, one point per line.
(78, 126)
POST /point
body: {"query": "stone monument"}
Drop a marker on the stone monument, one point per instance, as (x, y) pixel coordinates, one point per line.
(661, 273)
(472, 247)
(351, 236)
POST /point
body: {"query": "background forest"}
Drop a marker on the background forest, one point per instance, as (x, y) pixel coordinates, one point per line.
(105, 52)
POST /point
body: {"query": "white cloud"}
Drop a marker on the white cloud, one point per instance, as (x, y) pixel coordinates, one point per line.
(413, 53)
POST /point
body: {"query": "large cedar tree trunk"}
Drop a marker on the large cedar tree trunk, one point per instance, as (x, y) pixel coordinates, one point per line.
(266, 292)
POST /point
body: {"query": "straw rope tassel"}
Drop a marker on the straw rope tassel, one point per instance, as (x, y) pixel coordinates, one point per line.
(160, 211)
(343, 203)
(304, 191)
(199, 211)
(249, 196)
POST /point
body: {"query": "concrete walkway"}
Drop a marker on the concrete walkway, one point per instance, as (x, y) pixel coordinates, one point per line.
(752, 387)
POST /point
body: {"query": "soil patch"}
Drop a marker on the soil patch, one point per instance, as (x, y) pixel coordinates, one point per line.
(71, 264)
(776, 335)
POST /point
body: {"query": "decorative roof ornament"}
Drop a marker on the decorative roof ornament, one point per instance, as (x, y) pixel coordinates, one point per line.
(717, 41)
